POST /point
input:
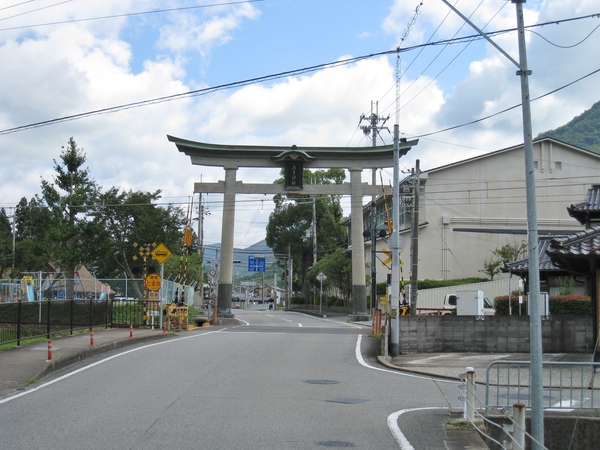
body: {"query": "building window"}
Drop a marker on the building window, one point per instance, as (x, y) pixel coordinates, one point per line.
(535, 165)
(557, 165)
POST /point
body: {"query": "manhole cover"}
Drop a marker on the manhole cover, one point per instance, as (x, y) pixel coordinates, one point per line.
(321, 381)
(338, 444)
(348, 401)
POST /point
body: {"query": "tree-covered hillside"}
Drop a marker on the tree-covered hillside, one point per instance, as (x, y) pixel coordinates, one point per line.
(583, 131)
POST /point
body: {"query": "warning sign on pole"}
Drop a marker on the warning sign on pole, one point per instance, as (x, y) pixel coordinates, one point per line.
(152, 282)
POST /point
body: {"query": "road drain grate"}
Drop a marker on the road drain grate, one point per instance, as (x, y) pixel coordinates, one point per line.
(321, 381)
(347, 400)
(338, 444)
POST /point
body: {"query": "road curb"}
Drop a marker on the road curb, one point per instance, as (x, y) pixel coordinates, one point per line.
(82, 354)
(385, 361)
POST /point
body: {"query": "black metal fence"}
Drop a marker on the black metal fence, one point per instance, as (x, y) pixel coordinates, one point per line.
(20, 321)
(30, 310)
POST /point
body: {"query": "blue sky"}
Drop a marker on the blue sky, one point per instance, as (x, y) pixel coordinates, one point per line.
(80, 66)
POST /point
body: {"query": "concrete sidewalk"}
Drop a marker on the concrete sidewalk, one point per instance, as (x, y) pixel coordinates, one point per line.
(20, 366)
(453, 365)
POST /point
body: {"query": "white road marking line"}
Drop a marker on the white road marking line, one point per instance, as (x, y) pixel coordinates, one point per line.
(97, 363)
(392, 419)
(392, 423)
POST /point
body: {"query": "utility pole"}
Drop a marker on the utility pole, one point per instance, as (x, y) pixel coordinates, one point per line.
(414, 276)
(535, 318)
(395, 249)
(290, 277)
(200, 225)
(314, 228)
(375, 124)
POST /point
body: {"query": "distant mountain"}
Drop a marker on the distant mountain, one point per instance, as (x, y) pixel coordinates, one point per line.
(583, 131)
(211, 251)
(259, 247)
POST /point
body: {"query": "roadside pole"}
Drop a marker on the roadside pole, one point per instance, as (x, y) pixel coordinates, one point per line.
(161, 295)
(321, 277)
(535, 318)
(395, 248)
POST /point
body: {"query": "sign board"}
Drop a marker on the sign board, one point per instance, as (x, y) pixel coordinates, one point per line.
(212, 273)
(152, 282)
(321, 277)
(257, 264)
(387, 253)
(161, 253)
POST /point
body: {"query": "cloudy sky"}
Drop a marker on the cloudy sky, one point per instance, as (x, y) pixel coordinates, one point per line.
(76, 58)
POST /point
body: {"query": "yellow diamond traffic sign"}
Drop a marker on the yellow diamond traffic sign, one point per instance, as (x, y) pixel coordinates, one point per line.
(161, 253)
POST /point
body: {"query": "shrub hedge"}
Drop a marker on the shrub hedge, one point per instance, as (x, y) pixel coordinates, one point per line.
(297, 301)
(560, 305)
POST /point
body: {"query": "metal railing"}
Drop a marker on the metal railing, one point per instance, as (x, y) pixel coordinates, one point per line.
(566, 385)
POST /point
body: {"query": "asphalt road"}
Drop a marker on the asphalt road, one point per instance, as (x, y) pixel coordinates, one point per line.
(282, 381)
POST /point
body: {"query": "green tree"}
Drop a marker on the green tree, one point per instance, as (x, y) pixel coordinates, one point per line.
(69, 200)
(5, 243)
(31, 236)
(337, 267)
(500, 256)
(290, 224)
(130, 217)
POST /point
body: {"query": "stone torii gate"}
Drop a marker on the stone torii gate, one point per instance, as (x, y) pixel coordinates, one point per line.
(293, 160)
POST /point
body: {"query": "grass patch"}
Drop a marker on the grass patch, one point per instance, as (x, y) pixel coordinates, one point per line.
(462, 424)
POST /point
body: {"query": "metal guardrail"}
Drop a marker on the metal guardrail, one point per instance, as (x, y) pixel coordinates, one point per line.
(566, 385)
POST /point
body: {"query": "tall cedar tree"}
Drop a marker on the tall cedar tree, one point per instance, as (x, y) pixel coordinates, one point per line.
(69, 201)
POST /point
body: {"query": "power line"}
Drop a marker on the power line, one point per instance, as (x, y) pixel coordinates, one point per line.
(116, 16)
(481, 119)
(262, 79)
(35, 10)
(15, 5)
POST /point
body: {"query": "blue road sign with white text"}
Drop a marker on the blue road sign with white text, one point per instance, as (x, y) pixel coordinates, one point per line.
(257, 264)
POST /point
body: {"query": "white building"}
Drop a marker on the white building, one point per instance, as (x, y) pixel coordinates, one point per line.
(470, 208)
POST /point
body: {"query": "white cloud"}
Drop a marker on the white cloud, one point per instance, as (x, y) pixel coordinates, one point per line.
(190, 32)
(74, 68)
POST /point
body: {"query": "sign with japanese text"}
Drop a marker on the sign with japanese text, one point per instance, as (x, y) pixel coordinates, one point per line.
(152, 282)
(257, 264)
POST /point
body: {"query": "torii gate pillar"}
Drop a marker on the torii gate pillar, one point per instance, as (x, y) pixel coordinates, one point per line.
(359, 288)
(225, 287)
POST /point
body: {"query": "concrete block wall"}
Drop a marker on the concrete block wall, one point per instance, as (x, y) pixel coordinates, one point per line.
(493, 334)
